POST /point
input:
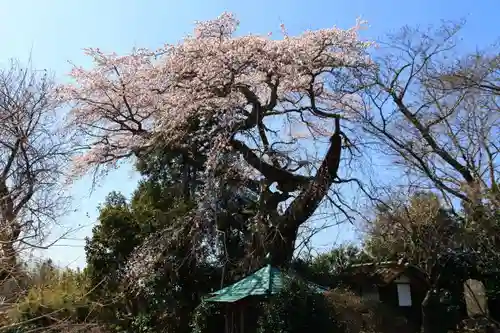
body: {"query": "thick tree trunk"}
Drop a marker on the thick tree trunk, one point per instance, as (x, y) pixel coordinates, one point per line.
(8, 260)
(279, 239)
(431, 313)
(11, 282)
(282, 247)
(9, 231)
(279, 245)
(9, 257)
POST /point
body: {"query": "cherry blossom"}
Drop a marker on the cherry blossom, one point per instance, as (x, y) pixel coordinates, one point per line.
(233, 98)
(123, 103)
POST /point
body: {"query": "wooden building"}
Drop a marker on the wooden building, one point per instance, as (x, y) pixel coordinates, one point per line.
(401, 287)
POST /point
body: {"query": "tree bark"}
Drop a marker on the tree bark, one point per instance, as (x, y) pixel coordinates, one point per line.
(282, 247)
(431, 313)
(9, 232)
(8, 260)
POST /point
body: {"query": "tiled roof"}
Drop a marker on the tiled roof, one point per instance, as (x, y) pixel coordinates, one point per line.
(266, 281)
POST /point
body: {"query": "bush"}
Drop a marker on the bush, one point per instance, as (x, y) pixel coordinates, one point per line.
(297, 308)
(60, 297)
(357, 315)
(207, 318)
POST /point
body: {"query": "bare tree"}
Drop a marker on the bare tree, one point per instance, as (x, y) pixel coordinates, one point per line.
(431, 116)
(444, 137)
(33, 156)
(479, 71)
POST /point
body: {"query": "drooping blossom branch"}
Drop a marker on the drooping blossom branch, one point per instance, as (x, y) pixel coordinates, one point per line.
(213, 78)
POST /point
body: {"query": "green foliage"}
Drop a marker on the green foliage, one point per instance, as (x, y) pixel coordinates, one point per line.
(297, 308)
(142, 323)
(324, 268)
(158, 220)
(170, 291)
(207, 318)
(55, 296)
(114, 238)
(121, 229)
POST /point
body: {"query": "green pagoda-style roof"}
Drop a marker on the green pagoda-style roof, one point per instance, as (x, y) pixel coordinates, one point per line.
(266, 281)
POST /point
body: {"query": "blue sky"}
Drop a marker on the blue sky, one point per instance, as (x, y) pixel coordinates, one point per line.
(55, 31)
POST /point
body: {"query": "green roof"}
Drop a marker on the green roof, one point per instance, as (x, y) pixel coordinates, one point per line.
(266, 281)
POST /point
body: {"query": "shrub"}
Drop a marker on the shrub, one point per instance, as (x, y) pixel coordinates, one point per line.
(207, 318)
(356, 314)
(297, 308)
(60, 297)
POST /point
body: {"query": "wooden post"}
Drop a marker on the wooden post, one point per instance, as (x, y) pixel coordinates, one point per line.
(242, 318)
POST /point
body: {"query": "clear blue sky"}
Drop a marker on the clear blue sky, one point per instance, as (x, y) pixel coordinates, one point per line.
(56, 31)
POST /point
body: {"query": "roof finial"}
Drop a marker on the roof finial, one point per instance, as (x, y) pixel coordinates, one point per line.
(268, 259)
